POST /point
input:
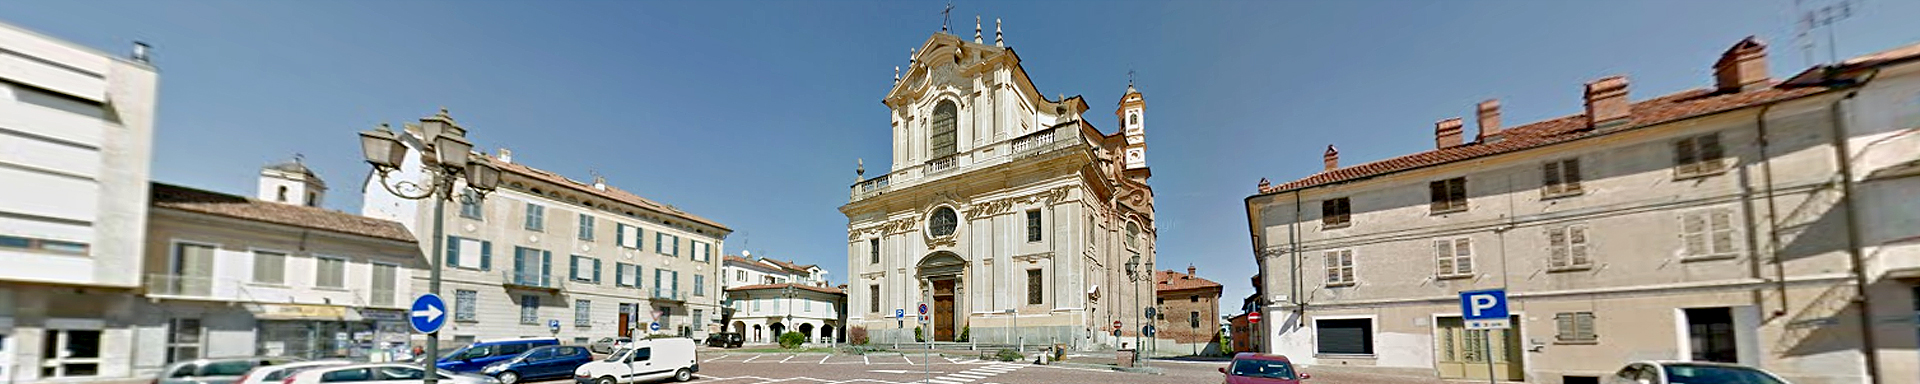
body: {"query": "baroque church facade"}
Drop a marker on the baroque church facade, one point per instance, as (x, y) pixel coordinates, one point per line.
(1008, 214)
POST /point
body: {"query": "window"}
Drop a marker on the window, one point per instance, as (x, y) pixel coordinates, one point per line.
(1340, 268)
(1343, 336)
(582, 313)
(385, 277)
(584, 269)
(536, 217)
(529, 309)
(464, 305)
(873, 299)
(1567, 247)
(469, 253)
(1159, 300)
(1133, 119)
(70, 352)
(1193, 319)
(740, 275)
(1034, 287)
(347, 376)
(702, 251)
(941, 140)
(1133, 234)
(43, 245)
(699, 285)
(666, 244)
(626, 275)
(699, 317)
(1711, 333)
(1560, 178)
(586, 227)
(470, 204)
(1448, 195)
(1336, 213)
(330, 272)
(1574, 327)
(183, 343)
(628, 236)
(269, 267)
(873, 251)
(1454, 256)
(1193, 299)
(756, 304)
(1698, 156)
(1707, 232)
(942, 222)
(1033, 225)
(532, 267)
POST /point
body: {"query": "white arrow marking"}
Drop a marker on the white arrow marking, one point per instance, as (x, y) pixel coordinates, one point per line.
(432, 313)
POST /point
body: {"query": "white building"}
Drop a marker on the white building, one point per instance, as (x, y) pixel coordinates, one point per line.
(233, 276)
(763, 306)
(76, 131)
(742, 271)
(545, 255)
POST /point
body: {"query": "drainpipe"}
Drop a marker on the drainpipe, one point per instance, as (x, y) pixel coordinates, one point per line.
(1773, 212)
(1293, 263)
(1854, 253)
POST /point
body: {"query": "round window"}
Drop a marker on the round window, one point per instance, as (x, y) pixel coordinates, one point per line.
(942, 222)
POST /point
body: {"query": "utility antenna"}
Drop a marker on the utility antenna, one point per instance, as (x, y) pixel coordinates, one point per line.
(1827, 16)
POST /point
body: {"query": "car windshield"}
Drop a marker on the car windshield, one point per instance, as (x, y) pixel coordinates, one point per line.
(1270, 369)
(1716, 374)
(617, 355)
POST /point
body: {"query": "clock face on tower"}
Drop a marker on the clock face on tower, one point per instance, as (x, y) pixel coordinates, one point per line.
(1135, 155)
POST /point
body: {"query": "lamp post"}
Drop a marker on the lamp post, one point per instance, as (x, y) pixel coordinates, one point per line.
(787, 293)
(1135, 276)
(446, 157)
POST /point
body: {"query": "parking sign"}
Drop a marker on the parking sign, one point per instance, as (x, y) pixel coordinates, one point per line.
(1484, 309)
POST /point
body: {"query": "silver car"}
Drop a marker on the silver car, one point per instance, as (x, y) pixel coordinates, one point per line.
(1691, 372)
(273, 374)
(215, 371)
(387, 373)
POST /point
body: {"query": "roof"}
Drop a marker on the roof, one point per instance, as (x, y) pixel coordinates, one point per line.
(1846, 71)
(747, 263)
(219, 204)
(1663, 109)
(1176, 281)
(788, 265)
(827, 290)
(615, 194)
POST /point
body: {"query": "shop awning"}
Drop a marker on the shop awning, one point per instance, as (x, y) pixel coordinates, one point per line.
(303, 312)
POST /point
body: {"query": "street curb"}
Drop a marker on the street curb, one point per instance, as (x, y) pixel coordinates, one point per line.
(1141, 370)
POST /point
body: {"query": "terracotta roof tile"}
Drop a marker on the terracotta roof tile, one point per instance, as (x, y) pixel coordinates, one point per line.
(220, 204)
(1175, 281)
(829, 290)
(1671, 107)
(611, 192)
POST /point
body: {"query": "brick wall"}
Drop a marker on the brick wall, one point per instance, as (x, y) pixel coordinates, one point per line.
(1178, 307)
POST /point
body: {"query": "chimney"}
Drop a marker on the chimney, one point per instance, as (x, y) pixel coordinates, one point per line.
(1331, 158)
(505, 155)
(1742, 68)
(1607, 104)
(1446, 133)
(1190, 269)
(1489, 118)
(140, 53)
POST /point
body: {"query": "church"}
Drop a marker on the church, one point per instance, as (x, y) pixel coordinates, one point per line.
(1008, 215)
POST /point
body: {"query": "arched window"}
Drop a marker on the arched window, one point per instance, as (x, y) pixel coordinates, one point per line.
(1133, 119)
(283, 194)
(941, 140)
(942, 222)
(1133, 235)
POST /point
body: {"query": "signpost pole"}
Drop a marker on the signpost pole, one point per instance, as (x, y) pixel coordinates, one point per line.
(1488, 340)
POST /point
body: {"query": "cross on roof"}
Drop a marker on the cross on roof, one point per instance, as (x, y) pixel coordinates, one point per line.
(946, 16)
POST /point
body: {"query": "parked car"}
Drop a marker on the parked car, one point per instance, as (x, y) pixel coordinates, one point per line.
(215, 371)
(480, 354)
(1691, 372)
(557, 361)
(725, 340)
(645, 361)
(1260, 368)
(385, 373)
(608, 344)
(273, 374)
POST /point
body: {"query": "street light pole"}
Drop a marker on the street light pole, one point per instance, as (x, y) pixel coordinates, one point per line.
(446, 158)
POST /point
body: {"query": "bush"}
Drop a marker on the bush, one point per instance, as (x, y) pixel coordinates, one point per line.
(1008, 355)
(966, 333)
(917, 337)
(792, 340)
(857, 335)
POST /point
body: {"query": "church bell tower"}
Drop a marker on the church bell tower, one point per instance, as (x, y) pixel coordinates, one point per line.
(1132, 112)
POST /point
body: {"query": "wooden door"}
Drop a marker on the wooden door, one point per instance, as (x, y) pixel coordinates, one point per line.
(1461, 353)
(943, 316)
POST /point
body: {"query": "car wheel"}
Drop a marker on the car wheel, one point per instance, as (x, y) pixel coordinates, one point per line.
(683, 375)
(604, 380)
(508, 377)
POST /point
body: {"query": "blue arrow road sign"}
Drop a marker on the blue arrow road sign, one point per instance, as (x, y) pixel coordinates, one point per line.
(1484, 309)
(553, 325)
(655, 326)
(899, 313)
(428, 313)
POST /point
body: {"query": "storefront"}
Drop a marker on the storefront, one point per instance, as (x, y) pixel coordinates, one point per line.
(330, 332)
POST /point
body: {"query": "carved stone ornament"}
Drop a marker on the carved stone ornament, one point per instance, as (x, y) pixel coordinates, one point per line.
(890, 227)
(943, 241)
(1003, 205)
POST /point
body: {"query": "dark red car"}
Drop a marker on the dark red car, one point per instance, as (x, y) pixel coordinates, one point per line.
(1260, 368)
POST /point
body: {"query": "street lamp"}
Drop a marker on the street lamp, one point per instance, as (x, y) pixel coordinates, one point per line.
(446, 157)
(1135, 276)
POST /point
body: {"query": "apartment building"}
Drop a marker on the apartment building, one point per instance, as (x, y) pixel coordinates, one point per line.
(763, 312)
(77, 127)
(272, 275)
(1704, 225)
(1187, 316)
(549, 256)
(744, 270)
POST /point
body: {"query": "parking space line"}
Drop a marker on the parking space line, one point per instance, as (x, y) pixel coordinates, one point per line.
(866, 359)
(789, 357)
(823, 359)
(717, 358)
(750, 359)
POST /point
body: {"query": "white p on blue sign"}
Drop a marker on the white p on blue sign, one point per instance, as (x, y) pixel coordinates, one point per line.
(1485, 309)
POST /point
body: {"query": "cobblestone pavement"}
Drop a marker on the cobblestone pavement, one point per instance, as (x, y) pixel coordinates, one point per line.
(894, 368)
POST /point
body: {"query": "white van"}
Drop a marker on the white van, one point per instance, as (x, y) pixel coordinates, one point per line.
(643, 361)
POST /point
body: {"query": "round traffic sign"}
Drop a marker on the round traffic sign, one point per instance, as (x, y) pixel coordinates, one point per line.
(655, 326)
(427, 314)
(923, 308)
(1116, 324)
(1147, 330)
(1253, 317)
(1150, 312)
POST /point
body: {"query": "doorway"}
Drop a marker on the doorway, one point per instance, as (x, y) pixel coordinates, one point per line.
(943, 314)
(1462, 353)
(1710, 335)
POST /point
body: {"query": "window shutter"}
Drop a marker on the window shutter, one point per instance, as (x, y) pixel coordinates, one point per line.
(620, 234)
(1583, 326)
(596, 271)
(1570, 175)
(486, 255)
(546, 267)
(1577, 244)
(1721, 224)
(1457, 193)
(1709, 151)
(619, 274)
(1693, 228)
(519, 266)
(573, 267)
(453, 251)
(1443, 251)
(1557, 241)
(1563, 325)
(1463, 255)
(1550, 177)
(676, 246)
(1437, 192)
(1684, 156)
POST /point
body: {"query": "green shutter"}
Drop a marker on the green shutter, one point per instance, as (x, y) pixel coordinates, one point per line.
(546, 267)
(596, 271)
(486, 255)
(452, 248)
(519, 261)
(573, 267)
(619, 235)
(619, 274)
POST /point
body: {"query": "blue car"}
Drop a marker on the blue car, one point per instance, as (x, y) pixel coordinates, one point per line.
(478, 355)
(540, 363)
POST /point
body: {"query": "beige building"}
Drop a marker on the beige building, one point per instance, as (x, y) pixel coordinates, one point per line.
(273, 275)
(1704, 225)
(545, 255)
(76, 138)
(1004, 210)
(767, 297)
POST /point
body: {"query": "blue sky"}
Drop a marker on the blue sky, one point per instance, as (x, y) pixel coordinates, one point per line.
(752, 113)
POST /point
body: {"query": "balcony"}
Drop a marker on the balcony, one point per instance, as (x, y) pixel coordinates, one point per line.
(871, 187)
(668, 295)
(941, 165)
(1045, 141)
(530, 280)
(160, 284)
